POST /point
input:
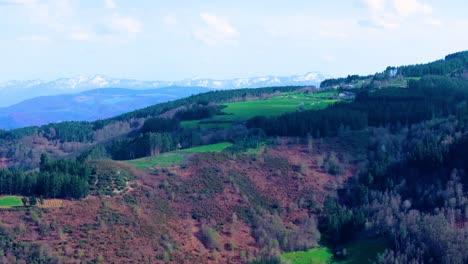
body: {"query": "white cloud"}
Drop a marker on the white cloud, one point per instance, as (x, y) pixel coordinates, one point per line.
(307, 28)
(170, 20)
(36, 38)
(126, 24)
(376, 5)
(80, 35)
(432, 22)
(110, 4)
(18, 2)
(390, 14)
(411, 7)
(70, 20)
(216, 30)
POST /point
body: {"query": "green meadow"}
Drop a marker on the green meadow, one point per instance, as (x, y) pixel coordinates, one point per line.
(175, 157)
(312, 256)
(274, 106)
(10, 201)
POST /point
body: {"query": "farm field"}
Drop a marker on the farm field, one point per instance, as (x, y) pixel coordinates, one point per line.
(284, 103)
(176, 157)
(10, 201)
(313, 256)
(51, 203)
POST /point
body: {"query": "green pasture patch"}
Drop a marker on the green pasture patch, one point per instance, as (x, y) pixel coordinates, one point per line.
(313, 256)
(207, 148)
(162, 160)
(10, 201)
(174, 158)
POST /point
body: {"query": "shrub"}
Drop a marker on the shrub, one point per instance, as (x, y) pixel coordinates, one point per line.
(210, 238)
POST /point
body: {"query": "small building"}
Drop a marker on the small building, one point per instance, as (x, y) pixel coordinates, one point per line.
(347, 95)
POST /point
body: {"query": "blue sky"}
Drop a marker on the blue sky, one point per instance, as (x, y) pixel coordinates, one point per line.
(172, 40)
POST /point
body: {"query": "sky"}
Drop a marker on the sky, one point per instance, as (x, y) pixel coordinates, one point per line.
(177, 39)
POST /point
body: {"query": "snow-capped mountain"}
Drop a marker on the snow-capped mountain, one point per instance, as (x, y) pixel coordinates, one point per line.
(16, 91)
(312, 78)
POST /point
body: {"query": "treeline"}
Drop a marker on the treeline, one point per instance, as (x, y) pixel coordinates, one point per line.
(450, 64)
(198, 112)
(453, 65)
(56, 179)
(342, 81)
(428, 98)
(316, 123)
(144, 145)
(203, 99)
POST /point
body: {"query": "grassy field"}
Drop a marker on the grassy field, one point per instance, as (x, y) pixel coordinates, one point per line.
(10, 201)
(163, 160)
(277, 105)
(207, 148)
(274, 106)
(175, 157)
(313, 256)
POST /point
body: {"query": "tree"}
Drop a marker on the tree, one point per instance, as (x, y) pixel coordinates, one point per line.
(310, 143)
(32, 201)
(24, 200)
(332, 164)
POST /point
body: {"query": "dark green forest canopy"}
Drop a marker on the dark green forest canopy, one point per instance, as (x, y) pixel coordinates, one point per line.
(430, 97)
(452, 65)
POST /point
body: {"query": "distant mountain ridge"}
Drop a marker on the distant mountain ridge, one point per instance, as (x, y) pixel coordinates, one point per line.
(13, 92)
(87, 106)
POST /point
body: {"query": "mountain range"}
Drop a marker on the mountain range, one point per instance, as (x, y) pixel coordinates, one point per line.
(13, 92)
(87, 106)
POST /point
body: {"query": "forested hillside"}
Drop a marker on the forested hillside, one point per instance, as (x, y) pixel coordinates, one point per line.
(364, 170)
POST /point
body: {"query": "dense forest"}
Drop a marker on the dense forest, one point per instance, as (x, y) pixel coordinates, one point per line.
(56, 179)
(411, 185)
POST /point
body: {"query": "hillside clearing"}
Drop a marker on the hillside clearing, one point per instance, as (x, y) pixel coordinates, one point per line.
(10, 201)
(207, 148)
(314, 256)
(176, 157)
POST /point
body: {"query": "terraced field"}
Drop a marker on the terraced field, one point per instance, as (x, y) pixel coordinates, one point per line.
(51, 203)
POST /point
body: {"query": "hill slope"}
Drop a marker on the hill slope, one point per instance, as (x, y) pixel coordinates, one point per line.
(376, 175)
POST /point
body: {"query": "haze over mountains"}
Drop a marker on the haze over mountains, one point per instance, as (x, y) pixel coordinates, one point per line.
(87, 106)
(32, 103)
(13, 92)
